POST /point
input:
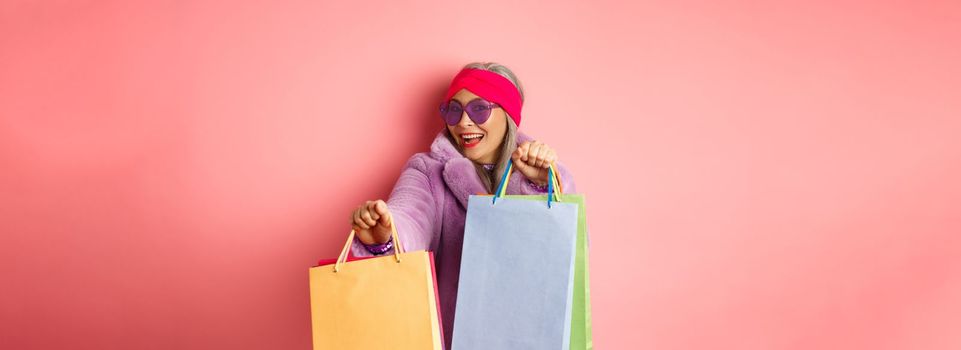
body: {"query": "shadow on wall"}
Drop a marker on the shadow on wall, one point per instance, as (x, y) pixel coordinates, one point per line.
(425, 99)
(421, 108)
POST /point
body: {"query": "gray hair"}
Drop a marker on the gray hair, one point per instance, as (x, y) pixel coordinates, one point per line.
(510, 138)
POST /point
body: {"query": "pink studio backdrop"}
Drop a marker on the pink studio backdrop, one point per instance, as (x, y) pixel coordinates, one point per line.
(759, 176)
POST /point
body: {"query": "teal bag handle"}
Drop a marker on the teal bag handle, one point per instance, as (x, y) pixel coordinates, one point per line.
(553, 184)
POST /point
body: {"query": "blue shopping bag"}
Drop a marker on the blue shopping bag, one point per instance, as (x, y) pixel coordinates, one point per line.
(517, 272)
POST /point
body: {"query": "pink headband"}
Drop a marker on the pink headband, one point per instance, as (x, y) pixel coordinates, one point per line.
(492, 87)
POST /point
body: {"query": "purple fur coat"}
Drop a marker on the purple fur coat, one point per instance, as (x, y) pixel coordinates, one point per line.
(429, 206)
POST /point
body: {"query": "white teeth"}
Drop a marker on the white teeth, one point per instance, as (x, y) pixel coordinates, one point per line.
(472, 136)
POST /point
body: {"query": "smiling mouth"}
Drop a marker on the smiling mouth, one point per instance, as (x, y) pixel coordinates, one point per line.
(471, 140)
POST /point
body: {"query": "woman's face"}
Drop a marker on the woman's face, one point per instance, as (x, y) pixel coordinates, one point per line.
(492, 132)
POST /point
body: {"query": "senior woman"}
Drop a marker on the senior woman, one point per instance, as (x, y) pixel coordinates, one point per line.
(482, 112)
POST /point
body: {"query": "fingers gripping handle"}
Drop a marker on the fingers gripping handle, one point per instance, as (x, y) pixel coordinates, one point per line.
(553, 185)
(398, 247)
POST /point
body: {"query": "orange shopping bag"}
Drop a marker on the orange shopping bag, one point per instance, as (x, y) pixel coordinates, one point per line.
(387, 302)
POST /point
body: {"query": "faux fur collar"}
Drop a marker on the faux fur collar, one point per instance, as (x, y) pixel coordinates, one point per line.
(459, 172)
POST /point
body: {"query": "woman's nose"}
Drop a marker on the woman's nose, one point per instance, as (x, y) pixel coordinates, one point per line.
(465, 120)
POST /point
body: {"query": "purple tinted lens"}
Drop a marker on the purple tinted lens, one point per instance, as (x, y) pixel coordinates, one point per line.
(451, 112)
(479, 110)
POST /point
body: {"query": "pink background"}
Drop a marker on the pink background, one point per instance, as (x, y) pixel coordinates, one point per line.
(759, 176)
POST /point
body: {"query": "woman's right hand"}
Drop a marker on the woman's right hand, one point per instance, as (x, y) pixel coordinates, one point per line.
(371, 222)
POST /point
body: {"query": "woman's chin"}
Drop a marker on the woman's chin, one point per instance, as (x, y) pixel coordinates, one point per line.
(471, 154)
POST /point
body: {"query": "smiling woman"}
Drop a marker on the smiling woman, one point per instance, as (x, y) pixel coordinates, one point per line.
(481, 133)
(482, 112)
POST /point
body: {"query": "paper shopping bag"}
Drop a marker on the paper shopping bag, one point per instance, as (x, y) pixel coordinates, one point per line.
(581, 338)
(387, 302)
(517, 273)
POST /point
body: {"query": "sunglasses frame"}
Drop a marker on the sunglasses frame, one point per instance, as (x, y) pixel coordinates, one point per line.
(445, 105)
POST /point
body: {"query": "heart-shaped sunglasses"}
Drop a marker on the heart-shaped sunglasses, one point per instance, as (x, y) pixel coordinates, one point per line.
(478, 109)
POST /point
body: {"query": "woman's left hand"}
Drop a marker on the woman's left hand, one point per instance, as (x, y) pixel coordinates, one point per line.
(533, 158)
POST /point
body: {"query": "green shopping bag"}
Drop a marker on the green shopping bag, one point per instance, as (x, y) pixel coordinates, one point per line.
(581, 304)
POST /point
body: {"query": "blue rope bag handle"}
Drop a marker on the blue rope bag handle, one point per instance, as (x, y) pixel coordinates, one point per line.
(552, 179)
